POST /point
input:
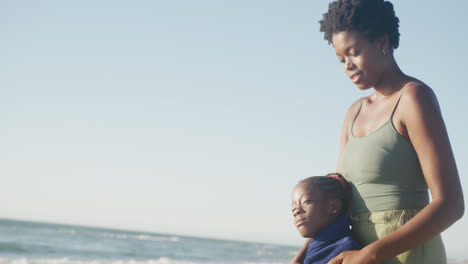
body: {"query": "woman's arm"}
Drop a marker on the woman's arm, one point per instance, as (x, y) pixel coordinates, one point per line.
(425, 128)
(299, 258)
(345, 131)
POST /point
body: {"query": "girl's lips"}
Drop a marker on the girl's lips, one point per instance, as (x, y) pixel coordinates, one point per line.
(300, 222)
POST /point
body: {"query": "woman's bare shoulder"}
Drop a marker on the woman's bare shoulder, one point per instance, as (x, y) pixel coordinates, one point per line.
(418, 103)
(418, 95)
(352, 110)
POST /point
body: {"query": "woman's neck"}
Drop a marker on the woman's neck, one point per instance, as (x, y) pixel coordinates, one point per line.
(391, 81)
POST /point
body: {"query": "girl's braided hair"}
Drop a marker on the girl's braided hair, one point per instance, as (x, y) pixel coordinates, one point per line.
(333, 186)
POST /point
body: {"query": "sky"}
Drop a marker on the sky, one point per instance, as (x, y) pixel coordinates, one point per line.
(193, 117)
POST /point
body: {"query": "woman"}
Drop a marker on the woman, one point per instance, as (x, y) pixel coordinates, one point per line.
(394, 144)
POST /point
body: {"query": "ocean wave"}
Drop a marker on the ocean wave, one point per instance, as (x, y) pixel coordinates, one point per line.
(118, 235)
(99, 261)
(11, 248)
(69, 231)
(140, 237)
(157, 238)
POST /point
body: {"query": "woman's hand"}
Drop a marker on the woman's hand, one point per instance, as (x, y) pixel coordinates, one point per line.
(299, 258)
(353, 257)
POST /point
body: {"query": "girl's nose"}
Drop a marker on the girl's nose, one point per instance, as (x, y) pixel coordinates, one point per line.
(297, 211)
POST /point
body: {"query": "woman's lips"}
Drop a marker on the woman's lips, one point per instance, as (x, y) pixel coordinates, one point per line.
(356, 77)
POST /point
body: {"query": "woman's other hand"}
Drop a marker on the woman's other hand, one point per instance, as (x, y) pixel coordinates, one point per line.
(353, 257)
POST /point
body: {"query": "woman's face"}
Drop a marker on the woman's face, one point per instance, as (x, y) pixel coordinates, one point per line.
(311, 211)
(363, 60)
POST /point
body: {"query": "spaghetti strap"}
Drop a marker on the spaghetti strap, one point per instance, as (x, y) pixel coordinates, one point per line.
(396, 105)
(355, 116)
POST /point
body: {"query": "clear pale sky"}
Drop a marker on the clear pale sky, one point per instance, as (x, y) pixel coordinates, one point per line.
(193, 117)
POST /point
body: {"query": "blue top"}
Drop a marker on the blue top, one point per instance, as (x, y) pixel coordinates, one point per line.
(330, 242)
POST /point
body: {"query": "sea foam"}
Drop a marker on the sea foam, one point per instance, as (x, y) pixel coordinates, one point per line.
(99, 261)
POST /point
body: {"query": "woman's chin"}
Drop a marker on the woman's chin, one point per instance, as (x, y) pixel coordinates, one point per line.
(363, 87)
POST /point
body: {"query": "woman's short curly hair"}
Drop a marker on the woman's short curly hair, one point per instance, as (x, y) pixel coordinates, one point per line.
(373, 18)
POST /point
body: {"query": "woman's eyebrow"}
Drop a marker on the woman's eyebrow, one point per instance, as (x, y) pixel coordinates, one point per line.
(352, 46)
(346, 50)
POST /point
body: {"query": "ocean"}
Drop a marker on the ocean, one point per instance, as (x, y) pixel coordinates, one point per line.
(24, 242)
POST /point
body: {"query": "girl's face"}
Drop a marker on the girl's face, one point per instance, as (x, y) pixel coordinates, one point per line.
(363, 60)
(311, 211)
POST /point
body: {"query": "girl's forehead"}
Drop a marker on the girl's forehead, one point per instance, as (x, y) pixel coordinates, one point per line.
(305, 188)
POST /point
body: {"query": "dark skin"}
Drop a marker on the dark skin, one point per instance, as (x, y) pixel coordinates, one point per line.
(370, 64)
(312, 212)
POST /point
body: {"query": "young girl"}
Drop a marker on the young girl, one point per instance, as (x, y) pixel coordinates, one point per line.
(394, 144)
(320, 205)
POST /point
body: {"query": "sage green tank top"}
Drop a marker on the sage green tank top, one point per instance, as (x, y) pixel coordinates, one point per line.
(384, 170)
